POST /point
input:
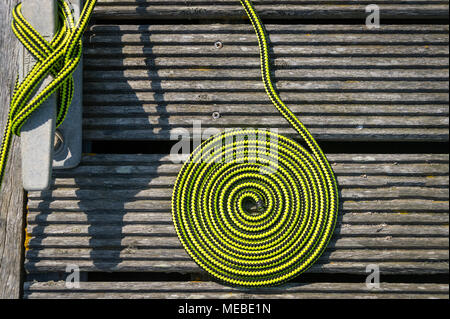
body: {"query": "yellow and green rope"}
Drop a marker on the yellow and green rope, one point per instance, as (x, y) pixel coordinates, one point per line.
(58, 58)
(294, 189)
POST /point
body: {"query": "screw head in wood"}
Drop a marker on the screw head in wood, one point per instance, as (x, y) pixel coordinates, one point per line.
(216, 115)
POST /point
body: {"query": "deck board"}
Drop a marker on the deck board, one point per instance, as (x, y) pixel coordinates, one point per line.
(284, 9)
(197, 290)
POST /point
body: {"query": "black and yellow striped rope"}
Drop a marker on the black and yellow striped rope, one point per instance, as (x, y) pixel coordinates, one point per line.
(294, 191)
(58, 58)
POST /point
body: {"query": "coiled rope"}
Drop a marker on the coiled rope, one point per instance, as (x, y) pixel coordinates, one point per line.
(295, 192)
(60, 58)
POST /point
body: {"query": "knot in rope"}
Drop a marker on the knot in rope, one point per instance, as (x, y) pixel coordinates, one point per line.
(58, 58)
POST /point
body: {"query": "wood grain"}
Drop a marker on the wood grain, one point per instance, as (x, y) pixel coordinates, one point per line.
(11, 194)
(300, 9)
(202, 290)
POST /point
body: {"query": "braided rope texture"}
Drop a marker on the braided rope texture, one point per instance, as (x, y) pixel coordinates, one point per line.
(294, 191)
(58, 58)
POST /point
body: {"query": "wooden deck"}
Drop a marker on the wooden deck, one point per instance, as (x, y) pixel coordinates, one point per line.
(151, 67)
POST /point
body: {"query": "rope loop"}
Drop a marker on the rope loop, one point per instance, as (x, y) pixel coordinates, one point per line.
(58, 58)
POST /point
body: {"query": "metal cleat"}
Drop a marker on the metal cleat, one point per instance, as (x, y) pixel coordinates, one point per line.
(41, 151)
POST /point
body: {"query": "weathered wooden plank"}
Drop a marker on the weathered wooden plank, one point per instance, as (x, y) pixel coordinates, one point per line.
(167, 181)
(189, 267)
(281, 35)
(100, 46)
(302, 9)
(385, 193)
(172, 260)
(341, 74)
(142, 167)
(245, 62)
(108, 159)
(358, 133)
(270, 121)
(162, 230)
(275, 30)
(321, 125)
(288, 86)
(343, 81)
(147, 242)
(11, 194)
(393, 205)
(200, 290)
(36, 216)
(155, 255)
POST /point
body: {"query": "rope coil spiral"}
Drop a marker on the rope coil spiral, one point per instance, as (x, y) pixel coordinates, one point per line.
(295, 192)
(58, 58)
